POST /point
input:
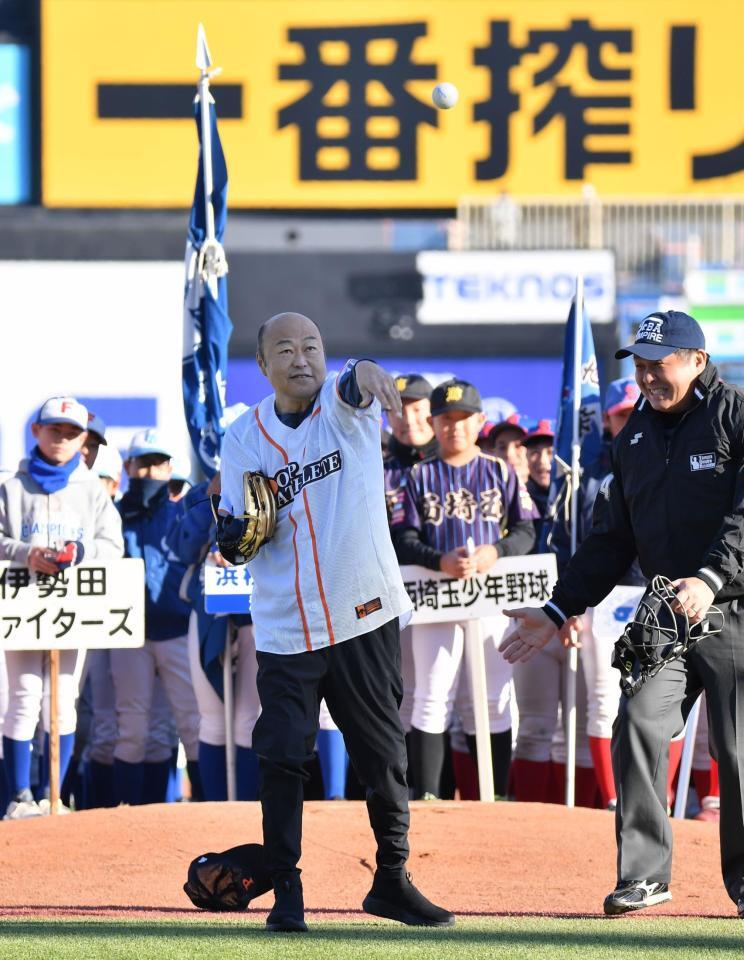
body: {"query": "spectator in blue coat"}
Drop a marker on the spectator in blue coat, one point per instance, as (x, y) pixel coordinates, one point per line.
(192, 540)
(147, 514)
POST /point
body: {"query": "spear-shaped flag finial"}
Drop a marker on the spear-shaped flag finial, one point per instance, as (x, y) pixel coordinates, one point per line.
(203, 56)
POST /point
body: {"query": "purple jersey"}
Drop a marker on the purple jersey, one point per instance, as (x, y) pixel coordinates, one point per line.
(396, 463)
(483, 499)
(394, 473)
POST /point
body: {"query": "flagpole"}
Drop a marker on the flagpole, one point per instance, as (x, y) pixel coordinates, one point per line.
(210, 266)
(573, 654)
(204, 62)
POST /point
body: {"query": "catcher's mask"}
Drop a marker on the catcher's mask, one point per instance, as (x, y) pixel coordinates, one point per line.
(657, 634)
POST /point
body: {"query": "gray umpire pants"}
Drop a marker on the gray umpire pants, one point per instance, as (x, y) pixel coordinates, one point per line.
(640, 754)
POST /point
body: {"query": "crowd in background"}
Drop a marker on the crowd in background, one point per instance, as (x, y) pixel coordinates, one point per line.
(461, 493)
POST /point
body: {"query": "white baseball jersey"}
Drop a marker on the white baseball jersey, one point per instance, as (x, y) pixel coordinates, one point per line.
(330, 572)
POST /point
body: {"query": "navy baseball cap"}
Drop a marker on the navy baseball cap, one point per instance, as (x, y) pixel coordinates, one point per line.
(412, 386)
(97, 426)
(662, 333)
(455, 395)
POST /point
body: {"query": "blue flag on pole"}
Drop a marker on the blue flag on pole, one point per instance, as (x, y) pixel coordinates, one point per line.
(206, 323)
(590, 429)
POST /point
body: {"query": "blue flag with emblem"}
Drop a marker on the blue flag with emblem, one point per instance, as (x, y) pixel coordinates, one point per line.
(207, 325)
(590, 425)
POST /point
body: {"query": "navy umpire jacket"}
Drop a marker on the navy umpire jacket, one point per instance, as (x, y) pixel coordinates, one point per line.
(675, 499)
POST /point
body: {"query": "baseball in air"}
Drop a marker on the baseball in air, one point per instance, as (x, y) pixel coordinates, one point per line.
(445, 95)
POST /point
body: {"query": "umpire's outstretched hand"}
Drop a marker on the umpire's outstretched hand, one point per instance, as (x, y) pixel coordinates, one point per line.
(534, 630)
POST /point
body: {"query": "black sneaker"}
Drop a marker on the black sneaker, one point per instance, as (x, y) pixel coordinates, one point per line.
(635, 895)
(288, 913)
(396, 898)
(740, 908)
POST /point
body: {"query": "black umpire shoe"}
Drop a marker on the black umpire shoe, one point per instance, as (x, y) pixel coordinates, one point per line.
(630, 895)
(288, 914)
(396, 898)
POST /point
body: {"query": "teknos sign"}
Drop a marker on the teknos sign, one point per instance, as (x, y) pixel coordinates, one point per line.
(508, 287)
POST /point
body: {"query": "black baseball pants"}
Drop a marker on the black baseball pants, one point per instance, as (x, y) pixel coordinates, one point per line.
(640, 753)
(361, 684)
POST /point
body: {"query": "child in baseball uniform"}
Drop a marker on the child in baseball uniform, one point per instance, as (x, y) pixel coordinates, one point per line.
(147, 513)
(463, 493)
(412, 440)
(99, 752)
(53, 513)
(95, 439)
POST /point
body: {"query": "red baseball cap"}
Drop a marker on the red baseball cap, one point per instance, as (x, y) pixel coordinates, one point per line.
(542, 431)
(511, 423)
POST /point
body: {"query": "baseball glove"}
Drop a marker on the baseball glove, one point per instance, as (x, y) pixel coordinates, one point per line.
(240, 538)
(657, 635)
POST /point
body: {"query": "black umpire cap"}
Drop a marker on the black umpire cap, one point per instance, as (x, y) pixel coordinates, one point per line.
(662, 333)
(455, 395)
(412, 386)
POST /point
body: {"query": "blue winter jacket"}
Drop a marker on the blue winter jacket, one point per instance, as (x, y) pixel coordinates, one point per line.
(146, 515)
(191, 536)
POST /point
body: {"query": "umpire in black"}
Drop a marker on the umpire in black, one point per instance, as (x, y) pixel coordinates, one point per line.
(676, 500)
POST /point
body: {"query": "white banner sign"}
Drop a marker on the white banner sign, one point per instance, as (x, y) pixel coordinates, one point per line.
(528, 286)
(94, 605)
(511, 582)
(227, 589)
(436, 598)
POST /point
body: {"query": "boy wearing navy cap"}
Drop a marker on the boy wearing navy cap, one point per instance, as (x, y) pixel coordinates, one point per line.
(95, 438)
(462, 493)
(412, 441)
(413, 438)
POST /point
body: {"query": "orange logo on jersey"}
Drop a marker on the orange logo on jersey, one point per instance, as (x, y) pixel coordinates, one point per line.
(453, 394)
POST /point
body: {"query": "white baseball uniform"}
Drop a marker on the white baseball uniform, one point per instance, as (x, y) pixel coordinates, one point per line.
(331, 550)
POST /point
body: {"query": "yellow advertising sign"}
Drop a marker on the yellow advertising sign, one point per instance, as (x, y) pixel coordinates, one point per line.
(326, 104)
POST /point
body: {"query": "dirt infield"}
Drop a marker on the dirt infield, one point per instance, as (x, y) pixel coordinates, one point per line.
(495, 860)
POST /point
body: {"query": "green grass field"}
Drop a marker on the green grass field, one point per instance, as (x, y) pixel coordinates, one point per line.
(532, 938)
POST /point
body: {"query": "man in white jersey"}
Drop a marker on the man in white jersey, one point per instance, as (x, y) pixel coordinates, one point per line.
(326, 600)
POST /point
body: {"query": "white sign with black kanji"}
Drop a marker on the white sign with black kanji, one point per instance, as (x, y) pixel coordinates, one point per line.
(227, 589)
(96, 605)
(510, 582)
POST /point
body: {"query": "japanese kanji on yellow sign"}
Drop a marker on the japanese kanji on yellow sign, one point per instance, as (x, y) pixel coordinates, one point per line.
(328, 104)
